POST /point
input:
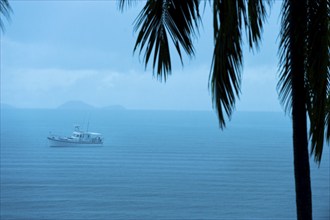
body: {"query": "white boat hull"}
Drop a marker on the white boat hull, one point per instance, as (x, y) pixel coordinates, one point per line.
(68, 143)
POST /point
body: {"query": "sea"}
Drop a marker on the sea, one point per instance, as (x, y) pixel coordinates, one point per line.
(153, 165)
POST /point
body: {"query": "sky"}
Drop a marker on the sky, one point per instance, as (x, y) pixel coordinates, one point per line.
(58, 51)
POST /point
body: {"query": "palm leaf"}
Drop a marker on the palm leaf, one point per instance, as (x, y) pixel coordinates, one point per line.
(316, 64)
(292, 53)
(327, 116)
(225, 76)
(126, 3)
(254, 22)
(317, 74)
(285, 82)
(5, 11)
(156, 21)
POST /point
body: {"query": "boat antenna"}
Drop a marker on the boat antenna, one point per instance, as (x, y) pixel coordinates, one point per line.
(88, 121)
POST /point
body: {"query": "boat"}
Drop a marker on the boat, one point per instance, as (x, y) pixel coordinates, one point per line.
(77, 139)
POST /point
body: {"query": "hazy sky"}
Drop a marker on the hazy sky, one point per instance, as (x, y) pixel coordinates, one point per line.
(57, 51)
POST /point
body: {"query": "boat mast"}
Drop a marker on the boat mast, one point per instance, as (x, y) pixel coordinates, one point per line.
(89, 116)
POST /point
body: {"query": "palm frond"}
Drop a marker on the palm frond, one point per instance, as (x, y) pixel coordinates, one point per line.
(315, 65)
(254, 21)
(5, 11)
(123, 4)
(157, 20)
(317, 73)
(284, 85)
(327, 115)
(225, 75)
(327, 120)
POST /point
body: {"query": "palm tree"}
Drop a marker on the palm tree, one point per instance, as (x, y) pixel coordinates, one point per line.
(5, 10)
(304, 84)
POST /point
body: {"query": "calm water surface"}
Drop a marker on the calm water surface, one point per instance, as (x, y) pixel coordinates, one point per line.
(153, 165)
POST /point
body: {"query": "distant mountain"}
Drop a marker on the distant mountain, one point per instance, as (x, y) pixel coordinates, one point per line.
(76, 105)
(5, 106)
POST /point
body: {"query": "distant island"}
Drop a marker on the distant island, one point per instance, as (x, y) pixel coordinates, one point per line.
(75, 105)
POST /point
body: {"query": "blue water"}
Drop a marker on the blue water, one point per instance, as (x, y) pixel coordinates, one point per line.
(153, 165)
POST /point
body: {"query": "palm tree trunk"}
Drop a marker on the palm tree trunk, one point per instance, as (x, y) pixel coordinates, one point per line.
(299, 118)
(300, 150)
